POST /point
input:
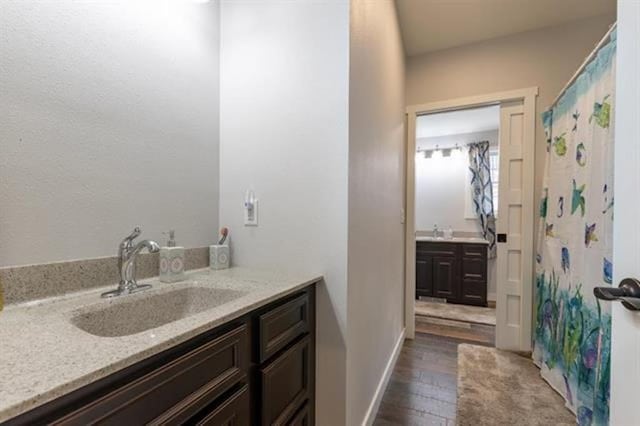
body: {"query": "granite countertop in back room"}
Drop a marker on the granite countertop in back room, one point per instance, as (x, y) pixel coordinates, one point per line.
(44, 356)
(468, 240)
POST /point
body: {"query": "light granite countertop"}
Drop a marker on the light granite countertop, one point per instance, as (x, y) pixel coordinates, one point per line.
(44, 356)
(474, 240)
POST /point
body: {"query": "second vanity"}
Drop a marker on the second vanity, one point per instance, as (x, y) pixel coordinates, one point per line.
(224, 347)
(453, 269)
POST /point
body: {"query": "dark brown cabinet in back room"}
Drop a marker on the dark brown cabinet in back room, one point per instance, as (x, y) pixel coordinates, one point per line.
(256, 370)
(424, 276)
(454, 271)
(445, 277)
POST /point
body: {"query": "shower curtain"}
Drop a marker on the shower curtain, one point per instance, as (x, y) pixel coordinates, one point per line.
(573, 330)
(482, 191)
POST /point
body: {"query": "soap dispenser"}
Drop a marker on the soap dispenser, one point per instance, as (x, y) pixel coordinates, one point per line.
(171, 261)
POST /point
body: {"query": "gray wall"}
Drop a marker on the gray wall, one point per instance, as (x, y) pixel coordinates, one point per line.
(376, 197)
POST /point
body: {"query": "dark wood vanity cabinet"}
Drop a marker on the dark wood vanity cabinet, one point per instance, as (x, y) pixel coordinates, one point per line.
(256, 370)
(453, 271)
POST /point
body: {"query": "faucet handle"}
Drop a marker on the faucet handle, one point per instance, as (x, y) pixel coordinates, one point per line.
(134, 234)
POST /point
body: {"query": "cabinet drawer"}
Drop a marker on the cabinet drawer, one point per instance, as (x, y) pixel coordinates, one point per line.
(302, 417)
(474, 269)
(474, 292)
(282, 325)
(186, 384)
(234, 411)
(474, 250)
(286, 384)
(440, 249)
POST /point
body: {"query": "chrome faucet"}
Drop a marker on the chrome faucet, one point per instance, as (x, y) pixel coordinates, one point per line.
(127, 254)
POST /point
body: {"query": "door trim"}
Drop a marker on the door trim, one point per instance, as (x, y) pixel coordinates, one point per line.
(528, 97)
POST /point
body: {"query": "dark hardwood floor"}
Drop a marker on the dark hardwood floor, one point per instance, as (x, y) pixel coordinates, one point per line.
(422, 389)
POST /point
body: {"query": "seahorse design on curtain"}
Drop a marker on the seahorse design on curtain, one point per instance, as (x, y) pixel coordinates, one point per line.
(573, 331)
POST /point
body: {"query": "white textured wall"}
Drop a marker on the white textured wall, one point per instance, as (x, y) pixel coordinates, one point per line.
(376, 197)
(108, 119)
(284, 111)
(441, 183)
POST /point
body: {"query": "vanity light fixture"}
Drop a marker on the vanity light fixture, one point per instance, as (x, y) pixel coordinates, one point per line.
(424, 153)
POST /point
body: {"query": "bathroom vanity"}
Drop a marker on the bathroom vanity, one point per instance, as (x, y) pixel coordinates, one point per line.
(455, 269)
(248, 361)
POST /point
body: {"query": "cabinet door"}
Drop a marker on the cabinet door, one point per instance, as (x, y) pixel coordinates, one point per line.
(286, 384)
(445, 280)
(424, 276)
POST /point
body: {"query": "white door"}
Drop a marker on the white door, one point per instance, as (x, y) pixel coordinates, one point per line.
(625, 326)
(515, 229)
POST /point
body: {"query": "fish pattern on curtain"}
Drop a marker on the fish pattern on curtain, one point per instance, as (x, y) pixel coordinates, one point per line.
(572, 339)
(482, 191)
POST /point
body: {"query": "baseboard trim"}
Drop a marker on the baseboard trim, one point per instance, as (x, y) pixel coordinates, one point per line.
(384, 381)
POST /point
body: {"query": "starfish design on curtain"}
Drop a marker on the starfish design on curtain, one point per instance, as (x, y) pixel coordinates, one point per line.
(577, 199)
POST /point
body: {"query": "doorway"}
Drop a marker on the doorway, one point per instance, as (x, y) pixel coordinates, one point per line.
(509, 276)
(457, 153)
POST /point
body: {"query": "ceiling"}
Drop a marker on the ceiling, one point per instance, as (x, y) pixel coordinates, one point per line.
(429, 25)
(458, 122)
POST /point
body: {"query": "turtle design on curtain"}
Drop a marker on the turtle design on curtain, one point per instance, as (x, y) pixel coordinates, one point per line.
(573, 330)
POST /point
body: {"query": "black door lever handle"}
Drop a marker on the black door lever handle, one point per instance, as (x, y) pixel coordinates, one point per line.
(631, 303)
(609, 293)
(628, 292)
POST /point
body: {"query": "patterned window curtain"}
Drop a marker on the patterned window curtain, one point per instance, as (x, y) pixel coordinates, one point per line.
(482, 191)
(572, 335)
